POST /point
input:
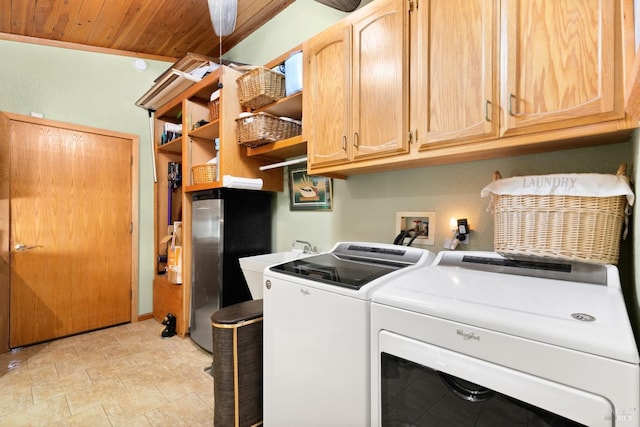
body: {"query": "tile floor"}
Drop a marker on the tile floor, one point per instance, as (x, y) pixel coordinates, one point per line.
(121, 376)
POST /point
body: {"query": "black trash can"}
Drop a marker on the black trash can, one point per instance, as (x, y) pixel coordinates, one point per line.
(237, 364)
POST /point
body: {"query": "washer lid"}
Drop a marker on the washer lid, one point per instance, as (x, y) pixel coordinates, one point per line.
(333, 270)
(576, 315)
(353, 265)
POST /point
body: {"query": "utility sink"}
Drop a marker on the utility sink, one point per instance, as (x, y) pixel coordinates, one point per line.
(253, 267)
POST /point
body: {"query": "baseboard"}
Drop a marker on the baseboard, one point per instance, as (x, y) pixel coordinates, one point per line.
(145, 316)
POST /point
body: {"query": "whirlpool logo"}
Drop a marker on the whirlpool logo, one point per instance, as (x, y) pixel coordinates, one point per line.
(467, 335)
(626, 415)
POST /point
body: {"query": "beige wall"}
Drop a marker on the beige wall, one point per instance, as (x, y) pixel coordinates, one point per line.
(365, 206)
(100, 90)
(91, 89)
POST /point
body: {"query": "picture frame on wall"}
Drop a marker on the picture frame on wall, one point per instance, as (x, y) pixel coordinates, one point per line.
(309, 192)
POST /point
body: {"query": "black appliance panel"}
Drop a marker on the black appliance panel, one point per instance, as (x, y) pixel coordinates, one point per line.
(352, 273)
(416, 395)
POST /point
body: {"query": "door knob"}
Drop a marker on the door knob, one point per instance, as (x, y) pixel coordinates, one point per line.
(19, 247)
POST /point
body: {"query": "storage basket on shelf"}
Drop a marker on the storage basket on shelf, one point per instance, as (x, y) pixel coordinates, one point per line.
(214, 110)
(567, 216)
(203, 174)
(258, 129)
(259, 87)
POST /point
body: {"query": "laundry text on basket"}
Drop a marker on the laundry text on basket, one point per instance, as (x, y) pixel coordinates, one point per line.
(548, 182)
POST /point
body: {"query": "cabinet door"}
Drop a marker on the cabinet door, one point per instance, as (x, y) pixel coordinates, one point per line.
(380, 81)
(455, 71)
(561, 64)
(326, 103)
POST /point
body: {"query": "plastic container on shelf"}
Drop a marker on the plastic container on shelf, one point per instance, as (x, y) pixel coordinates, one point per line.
(293, 74)
(216, 146)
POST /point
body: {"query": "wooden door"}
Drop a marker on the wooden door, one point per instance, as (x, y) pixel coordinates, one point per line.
(327, 109)
(380, 87)
(455, 86)
(70, 237)
(562, 64)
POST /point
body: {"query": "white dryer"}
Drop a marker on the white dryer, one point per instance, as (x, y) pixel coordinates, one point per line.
(477, 339)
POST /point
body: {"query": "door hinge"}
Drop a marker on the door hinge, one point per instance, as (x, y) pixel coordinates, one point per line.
(130, 228)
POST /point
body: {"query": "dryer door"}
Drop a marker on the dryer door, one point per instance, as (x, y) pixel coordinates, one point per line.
(422, 384)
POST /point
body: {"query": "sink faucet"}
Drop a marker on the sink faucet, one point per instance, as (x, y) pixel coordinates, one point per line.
(308, 247)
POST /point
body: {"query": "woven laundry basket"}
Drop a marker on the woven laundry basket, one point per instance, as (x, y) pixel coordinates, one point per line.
(254, 130)
(259, 87)
(214, 110)
(203, 174)
(237, 364)
(567, 226)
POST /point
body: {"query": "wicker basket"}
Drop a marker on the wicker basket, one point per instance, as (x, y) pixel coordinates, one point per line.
(203, 174)
(214, 110)
(262, 128)
(566, 227)
(259, 87)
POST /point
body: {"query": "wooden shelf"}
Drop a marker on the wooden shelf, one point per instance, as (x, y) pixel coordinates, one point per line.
(173, 146)
(280, 150)
(208, 131)
(291, 107)
(171, 112)
(200, 187)
(199, 91)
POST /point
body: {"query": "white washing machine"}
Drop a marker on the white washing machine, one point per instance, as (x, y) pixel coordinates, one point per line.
(316, 333)
(480, 340)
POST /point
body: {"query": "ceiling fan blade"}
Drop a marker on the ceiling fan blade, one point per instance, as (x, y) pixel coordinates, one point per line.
(343, 5)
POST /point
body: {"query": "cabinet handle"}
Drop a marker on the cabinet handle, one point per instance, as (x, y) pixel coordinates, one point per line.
(344, 142)
(487, 105)
(511, 110)
(410, 137)
(356, 139)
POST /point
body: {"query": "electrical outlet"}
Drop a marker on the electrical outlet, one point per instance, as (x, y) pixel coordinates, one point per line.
(425, 222)
(463, 231)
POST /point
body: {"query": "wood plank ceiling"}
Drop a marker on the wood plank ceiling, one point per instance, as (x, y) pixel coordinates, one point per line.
(162, 28)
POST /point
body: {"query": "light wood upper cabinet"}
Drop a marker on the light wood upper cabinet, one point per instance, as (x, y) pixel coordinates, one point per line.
(562, 64)
(485, 78)
(454, 85)
(380, 81)
(326, 104)
(356, 87)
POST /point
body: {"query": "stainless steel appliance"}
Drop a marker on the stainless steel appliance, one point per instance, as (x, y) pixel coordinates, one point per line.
(479, 339)
(226, 224)
(316, 332)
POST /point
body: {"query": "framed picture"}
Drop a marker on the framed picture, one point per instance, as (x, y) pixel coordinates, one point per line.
(309, 192)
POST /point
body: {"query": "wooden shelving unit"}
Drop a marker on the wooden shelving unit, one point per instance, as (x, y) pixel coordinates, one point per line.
(196, 147)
